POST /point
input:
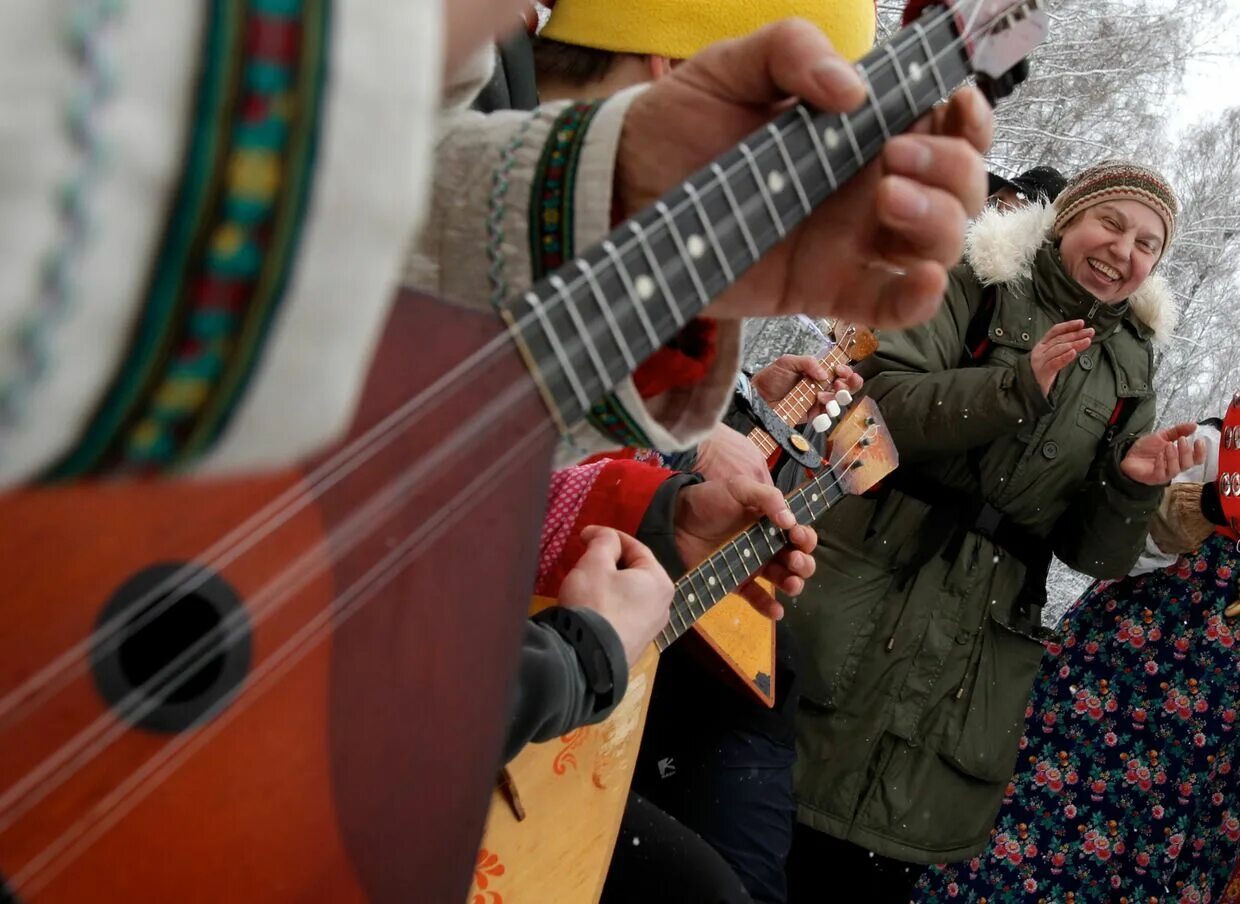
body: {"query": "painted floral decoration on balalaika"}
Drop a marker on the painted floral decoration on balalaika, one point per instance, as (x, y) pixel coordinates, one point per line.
(1229, 467)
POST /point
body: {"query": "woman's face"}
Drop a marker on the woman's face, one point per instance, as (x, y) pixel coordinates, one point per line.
(1111, 248)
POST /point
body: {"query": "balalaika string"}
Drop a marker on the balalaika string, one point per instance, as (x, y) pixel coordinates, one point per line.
(277, 513)
(248, 535)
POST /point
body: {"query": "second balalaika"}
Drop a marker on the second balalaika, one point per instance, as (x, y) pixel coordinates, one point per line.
(222, 689)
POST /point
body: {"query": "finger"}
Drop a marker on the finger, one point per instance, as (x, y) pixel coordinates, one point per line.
(1086, 335)
(925, 223)
(942, 162)
(911, 297)
(636, 554)
(791, 57)
(807, 366)
(1187, 455)
(803, 537)
(1056, 363)
(602, 546)
(967, 114)
(1059, 329)
(795, 563)
(1171, 434)
(1077, 345)
(618, 548)
(761, 498)
(762, 601)
(790, 583)
(1199, 452)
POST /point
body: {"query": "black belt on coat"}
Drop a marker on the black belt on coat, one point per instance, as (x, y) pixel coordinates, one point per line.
(955, 514)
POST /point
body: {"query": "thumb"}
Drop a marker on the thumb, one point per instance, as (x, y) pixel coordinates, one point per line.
(785, 58)
(763, 498)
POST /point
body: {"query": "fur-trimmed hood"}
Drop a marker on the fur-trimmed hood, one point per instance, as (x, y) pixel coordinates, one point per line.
(1000, 248)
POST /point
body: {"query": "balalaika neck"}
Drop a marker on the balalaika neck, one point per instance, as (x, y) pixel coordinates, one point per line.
(743, 556)
(592, 322)
(793, 407)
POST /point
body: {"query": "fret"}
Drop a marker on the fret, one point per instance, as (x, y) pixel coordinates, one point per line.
(762, 189)
(557, 349)
(769, 530)
(696, 200)
(930, 61)
(694, 593)
(722, 555)
(685, 256)
(746, 572)
(638, 305)
(792, 170)
(754, 254)
(676, 614)
(744, 556)
(714, 581)
(601, 301)
(895, 67)
(562, 290)
(657, 271)
(652, 275)
(846, 121)
(666, 637)
(818, 148)
(875, 104)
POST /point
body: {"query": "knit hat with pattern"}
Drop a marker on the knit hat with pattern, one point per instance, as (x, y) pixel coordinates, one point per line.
(1118, 180)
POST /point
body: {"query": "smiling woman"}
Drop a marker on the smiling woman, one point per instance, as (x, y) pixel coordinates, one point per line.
(1018, 412)
(1114, 222)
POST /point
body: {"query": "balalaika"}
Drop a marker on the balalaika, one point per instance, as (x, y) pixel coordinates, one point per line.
(295, 686)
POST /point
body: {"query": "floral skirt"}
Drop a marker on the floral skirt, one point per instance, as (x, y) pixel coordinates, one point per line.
(1127, 786)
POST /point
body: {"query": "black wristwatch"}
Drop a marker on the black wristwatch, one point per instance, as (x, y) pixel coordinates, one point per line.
(579, 634)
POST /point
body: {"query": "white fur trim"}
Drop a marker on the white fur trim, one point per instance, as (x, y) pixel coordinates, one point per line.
(1000, 247)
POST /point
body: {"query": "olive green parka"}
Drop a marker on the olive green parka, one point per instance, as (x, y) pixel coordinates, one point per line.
(917, 678)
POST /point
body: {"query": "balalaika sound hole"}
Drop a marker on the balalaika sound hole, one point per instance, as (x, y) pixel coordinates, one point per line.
(171, 647)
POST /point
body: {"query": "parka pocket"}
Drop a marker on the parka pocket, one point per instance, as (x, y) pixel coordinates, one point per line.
(1094, 415)
(1007, 665)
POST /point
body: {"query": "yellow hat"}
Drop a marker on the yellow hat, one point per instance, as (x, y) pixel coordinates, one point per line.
(680, 28)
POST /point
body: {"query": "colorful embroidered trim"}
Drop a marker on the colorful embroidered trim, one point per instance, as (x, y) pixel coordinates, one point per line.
(229, 243)
(551, 240)
(554, 189)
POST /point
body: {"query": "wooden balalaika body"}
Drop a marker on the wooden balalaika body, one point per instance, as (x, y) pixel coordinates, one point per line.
(741, 636)
(294, 687)
(553, 824)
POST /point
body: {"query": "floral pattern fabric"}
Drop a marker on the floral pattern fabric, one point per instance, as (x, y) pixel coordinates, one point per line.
(1126, 787)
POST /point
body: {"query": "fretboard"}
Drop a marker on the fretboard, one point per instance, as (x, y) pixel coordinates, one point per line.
(793, 407)
(592, 322)
(743, 556)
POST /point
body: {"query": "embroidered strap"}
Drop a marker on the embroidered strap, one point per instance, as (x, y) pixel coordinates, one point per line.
(231, 236)
(551, 240)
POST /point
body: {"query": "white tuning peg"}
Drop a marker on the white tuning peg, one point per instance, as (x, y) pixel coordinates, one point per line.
(844, 397)
(833, 408)
(822, 423)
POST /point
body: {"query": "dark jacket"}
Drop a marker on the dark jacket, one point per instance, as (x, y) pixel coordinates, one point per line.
(552, 693)
(917, 667)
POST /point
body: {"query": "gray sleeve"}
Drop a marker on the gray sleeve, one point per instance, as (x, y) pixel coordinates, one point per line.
(552, 694)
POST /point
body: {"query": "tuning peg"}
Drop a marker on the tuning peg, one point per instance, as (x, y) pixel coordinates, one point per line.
(833, 408)
(844, 397)
(822, 423)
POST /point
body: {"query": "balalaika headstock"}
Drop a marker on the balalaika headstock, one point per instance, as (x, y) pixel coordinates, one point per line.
(998, 35)
(862, 451)
(855, 341)
(1229, 466)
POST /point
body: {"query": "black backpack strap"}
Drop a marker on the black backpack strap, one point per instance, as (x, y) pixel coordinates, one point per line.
(977, 336)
